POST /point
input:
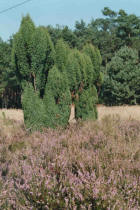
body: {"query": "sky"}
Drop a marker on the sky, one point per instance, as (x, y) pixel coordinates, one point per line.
(62, 12)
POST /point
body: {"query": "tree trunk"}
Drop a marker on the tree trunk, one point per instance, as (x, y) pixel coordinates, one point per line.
(72, 119)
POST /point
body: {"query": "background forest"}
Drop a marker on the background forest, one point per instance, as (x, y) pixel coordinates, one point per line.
(29, 55)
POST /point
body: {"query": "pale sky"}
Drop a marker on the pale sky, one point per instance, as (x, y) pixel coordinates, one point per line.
(62, 12)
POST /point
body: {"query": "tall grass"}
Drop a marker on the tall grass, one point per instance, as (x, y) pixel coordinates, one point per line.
(90, 165)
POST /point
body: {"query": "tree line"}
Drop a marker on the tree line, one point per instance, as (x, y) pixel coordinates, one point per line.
(94, 62)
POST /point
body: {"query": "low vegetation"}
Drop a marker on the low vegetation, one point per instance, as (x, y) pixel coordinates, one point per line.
(90, 165)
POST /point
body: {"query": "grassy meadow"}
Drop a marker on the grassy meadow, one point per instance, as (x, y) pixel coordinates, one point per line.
(89, 165)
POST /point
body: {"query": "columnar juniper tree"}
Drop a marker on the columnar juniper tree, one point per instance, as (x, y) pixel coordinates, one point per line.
(62, 51)
(94, 53)
(82, 77)
(86, 104)
(32, 57)
(57, 97)
(96, 59)
(32, 54)
(21, 52)
(42, 58)
(70, 82)
(53, 79)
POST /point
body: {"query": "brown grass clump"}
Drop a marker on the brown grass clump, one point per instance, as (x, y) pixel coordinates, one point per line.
(90, 165)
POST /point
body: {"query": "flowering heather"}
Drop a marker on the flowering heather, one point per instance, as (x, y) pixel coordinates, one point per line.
(91, 165)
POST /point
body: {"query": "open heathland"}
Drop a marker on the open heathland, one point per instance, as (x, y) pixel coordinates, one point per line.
(62, 150)
(90, 165)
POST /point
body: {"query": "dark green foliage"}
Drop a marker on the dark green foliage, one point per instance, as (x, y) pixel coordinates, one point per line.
(69, 37)
(122, 81)
(86, 104)
(42, 57)
(9, 87)
(33, 55)
(128, 27)
(82, 62)
(55, 33)
(57, 99)
(21, 51)
(62, 32)
(82, 77)
(95, 57)
(4, 67)
(48, 98)
(89, 71)
(80, 71)
(73, 72)
(33, 108)
(108, 12)
(82, 33)
(61, 56)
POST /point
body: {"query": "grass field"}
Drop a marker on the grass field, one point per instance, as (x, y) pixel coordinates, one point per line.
(89, 165)
(124, 112)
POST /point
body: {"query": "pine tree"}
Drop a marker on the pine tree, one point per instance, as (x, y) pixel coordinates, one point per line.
(122, 82)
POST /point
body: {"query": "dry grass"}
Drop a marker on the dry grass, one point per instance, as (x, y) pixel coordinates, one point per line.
(125, 112)
(11, 123)
(12, 114)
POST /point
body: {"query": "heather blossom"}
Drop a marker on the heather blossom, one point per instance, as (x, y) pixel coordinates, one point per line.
(90, 165)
